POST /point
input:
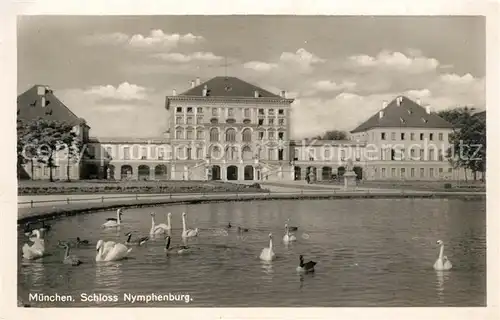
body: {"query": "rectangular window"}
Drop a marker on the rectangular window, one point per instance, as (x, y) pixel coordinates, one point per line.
(422, 172)
(161, 154)
(382, 154)
(393, 135)
(440, 170)
(199, 153)
(412, 172)
(230, 112)
(431, 136)
(412, 136)
(261, 135)
(199, 119)
(431, 155)
(440, 155)
(153, 152)
(281, 135)
(280, 154)
(440, 137)
(178, 134)
(403, 173)
(144, 153)
(246, 113)
(178, 120)
(422, 155)
(188, 151)
(412, 153)
(393, 172)
(402, 136)
(382, 173)
(382, 135)
(178, 110)
(270, 112)
(281, 111)
(190, 109)
(342, 155)
(189, 134)
(296, 152)
(421, 136)
(261, 112)
(281, 122)
(431, 172)
(261, 122)
(199, 110)
(215, 112)
(271, 135)
(126, 153)
(270, 154)
(189, 120)
(199, 134)
(271, 121)
(450, 170)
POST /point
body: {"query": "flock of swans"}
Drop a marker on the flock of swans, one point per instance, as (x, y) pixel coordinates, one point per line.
(113, 251)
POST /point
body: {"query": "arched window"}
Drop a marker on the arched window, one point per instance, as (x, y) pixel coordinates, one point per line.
(215, 153)
(247, 135)
(199, 134)
(231, 153)
(214, 134)
(231, 135)
(178, 133)
(246, 153)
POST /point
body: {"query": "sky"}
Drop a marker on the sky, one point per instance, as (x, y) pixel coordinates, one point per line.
(115, 71)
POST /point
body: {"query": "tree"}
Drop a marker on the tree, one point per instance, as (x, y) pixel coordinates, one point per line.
(332, 135)
(49, 137)
(468, 140)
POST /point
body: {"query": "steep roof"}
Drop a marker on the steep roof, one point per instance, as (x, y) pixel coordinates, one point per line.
(29, 106)
(228, 87)
(408, 114)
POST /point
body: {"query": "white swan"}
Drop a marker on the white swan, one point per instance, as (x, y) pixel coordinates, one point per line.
(267, 254)
(288, 237)
(107, 245)
(114, 222)
(187, 233)
(167, 226)
(442, 263)
(35, 251)
(156, 229)
(117, 252)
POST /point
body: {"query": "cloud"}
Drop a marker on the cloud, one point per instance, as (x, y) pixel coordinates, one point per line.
(301, 58)
(156, 39)
(124, 91)
(396, 61)
(185, 58)
(327, 85)
(260, 66)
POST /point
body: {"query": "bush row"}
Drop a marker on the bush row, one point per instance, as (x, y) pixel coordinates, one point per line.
(140, 189)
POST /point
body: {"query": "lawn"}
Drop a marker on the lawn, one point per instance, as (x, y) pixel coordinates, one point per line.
(28, 187)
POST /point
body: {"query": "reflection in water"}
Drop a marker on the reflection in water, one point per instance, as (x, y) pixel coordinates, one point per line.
(34, 272)
(108, 274)
(441, 278)
(267, 267)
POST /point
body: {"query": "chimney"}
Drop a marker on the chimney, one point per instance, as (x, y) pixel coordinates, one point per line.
(380, 114)
(283, 93)
(428, 109)
(256, 93)
(399, 100)
(174, 92)
(198, 81)
(384, 104)
(205, 89)
(41, 90)
(192, 83)
(419, 102)
(43, 102)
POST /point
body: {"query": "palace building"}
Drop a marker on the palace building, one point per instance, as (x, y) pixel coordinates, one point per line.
(228, 129)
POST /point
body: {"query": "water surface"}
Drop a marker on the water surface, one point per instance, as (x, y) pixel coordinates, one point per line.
(369, 253)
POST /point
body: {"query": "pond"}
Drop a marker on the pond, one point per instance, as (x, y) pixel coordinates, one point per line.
(369, 252)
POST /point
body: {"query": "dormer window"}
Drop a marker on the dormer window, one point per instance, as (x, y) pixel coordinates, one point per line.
(424, 120)
(409, 112)
(402, 120)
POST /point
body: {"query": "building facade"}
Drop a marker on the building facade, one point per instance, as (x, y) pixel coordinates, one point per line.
(228, 129)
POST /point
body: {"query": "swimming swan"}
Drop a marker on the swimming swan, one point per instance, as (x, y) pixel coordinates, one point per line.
(107, 245)
(156, 229)
(187, 233)
(72, 260)
(442, 263)
(167, 226)
(267, 254)
(114, 222)
(181, 249)
(305, 267)
(288, 237)
(138, 242)
(117, 252)
(291, 228)
(35, 251)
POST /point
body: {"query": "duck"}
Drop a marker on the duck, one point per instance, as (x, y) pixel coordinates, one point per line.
(290, 227)
(114, 222)
(240, 229)
(117, 251)
(229, 225)
(288, 237)
(267, 254)
(156, 229)
(81, 242)
(442, 263)
(37, 250)
(181, 249)
(305, 267)
(138, 242)
(187, 233)
(72, 260)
